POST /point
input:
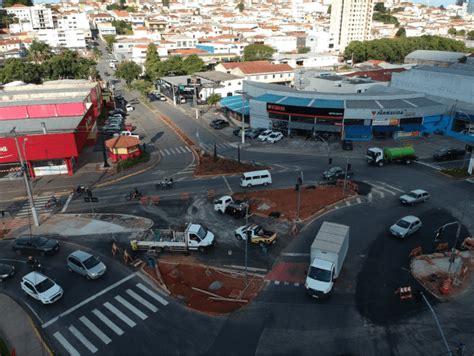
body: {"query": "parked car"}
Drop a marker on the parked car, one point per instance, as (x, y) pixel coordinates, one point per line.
(117, 111)
(347, 145)
(337, 173)
(218, 124)
(41, 287)
(161, 97)
(85, 264)
(6, 271)
(274, 137)
(446, 154)
(181, 100)
(263, 136)
(414, 197)
(35, 244)
(237, 131)
(254, 133)
(119, 97)
(406, 226)
(129, 107)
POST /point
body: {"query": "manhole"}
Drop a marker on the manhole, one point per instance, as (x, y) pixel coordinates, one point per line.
(215, 285)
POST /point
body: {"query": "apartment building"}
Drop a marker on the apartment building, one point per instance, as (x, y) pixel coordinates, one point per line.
(39, 16)
(71, 38)
(351, 20)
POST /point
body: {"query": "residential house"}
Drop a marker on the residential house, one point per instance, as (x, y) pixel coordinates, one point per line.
(259, 71)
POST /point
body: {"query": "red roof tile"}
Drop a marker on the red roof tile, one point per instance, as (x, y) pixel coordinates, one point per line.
(122, 142)
(258, 67)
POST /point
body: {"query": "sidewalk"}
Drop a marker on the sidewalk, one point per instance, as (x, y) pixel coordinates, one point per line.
(19, 331)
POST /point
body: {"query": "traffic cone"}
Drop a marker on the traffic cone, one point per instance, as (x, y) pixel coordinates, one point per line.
(446, 286)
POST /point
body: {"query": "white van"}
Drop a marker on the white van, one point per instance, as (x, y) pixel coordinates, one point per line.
(250, 179)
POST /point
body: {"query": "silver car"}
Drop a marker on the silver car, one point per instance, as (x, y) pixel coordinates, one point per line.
(414, 197)
(405, 226)
(85, 264)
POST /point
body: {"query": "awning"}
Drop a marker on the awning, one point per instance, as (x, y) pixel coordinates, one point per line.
(412, 127)
(234, 103)
(385, 128)
(357, 130)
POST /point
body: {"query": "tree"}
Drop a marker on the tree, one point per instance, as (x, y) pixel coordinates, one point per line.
(401, 32)
(470, 35)
(110, 40)
(69, 65)
(214, 99)
(128, 71)
(461, 33)
(192, 64)
(153, 67)
(122, 27)
(441, 7)
(15, 69)
(452, 31)
(385, 18)
(39, 51)
(144, 87)
(329, 9)
(380, 7)
(303, 50)
(166, 3)
(256, 52)
(173, 66)
(113, 7)
(6, 19)
(240, 6)
(8, 3)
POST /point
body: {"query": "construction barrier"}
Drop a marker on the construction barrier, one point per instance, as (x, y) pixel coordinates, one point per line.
(405, 293)
(442, 247)
(115, 249)
(446, 286)
(126, 257)
(415, 252)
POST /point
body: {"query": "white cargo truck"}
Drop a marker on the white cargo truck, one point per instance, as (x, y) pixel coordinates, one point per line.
(194, 237)
(327, 255)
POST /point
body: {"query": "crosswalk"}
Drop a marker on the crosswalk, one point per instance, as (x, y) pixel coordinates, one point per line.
(40, 206)
(221, 147)
(175, 151)
(98, 327)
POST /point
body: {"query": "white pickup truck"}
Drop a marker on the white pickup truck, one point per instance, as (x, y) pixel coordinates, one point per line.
(227, 205)
(194, 237)
(127, 133)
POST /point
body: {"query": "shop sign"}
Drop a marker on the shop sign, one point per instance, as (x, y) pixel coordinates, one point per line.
(387, 114)
(387, 122)
(408, 133)
(3, 149)
(305, 110)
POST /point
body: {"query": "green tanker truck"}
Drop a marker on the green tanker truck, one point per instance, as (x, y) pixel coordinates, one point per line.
(378, 156)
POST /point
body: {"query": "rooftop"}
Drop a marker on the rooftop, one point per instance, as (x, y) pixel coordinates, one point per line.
(216, 76)
(256, 67)
(436, 55)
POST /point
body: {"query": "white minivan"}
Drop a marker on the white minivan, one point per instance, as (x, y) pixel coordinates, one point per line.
(250, 179)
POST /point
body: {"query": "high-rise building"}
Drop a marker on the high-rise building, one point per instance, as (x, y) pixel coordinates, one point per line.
(470, 7)
(351, 20)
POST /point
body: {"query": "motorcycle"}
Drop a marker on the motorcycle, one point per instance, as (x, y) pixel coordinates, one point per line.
(34, 264)
(165, 184)
(53, 202)
(133, 196)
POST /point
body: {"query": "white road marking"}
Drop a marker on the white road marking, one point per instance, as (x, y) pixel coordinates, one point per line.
(438, 168)
(369, 197)
(84, 302)
(131, 307)
(152, 294)
(187, 148)
(67, 203)
(166, 151)
(358, 201)
(296, 284)
(382, 194)
(387, 190)
(83, 339)
(95, 330)
(347, 203)
(395, 188)
(172, 150)
(107, 322)
(227, 183)
(182, 149)
(276, 282)
(69, 348)
(294, 254)
(120, 315)
(162, 152)
(142, 300)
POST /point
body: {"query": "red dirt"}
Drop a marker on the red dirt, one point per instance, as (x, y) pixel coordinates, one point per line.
(288, 272)
(207, 166)
(284, 201)
(181, 277)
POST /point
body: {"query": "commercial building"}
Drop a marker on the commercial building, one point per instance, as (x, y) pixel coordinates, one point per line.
(53, 122)
(351, 20)
(381, 111)
(470, 7)
(434, 58)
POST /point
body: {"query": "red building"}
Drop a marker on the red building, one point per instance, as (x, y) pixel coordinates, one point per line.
(123, 147)
(53, 121)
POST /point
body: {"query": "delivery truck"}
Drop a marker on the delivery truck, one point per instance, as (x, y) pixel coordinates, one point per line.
(378, 156)
(194, 237)
(328, 251)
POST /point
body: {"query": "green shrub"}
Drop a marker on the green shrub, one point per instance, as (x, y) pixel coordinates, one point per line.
(456, 172)
(4, 348)
(128, 163)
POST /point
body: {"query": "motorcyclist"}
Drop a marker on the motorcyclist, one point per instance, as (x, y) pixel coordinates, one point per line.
(135, 193)
(170, 182)
(32, 261)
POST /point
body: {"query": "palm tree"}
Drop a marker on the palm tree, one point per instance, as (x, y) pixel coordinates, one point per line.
(39, 51)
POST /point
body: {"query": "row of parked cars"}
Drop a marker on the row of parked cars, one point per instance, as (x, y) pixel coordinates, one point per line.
(35, 283)
(116, 124)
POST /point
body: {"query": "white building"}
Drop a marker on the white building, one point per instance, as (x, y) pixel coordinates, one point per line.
(73, 39)
(318, 41)
(259, 71)
(282, 43)
(220, 83)
(330, 83)
(106, 29)
(351, 20)
(39, 16)
(74, 21)
(307, 60)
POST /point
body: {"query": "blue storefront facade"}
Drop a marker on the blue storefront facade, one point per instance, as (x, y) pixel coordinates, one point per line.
(380, 113)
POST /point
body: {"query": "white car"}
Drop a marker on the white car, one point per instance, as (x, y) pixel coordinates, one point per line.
(405, 226)
(263, 136)
(129, 107)
(415, 196)
(41, 288)
(274, 137)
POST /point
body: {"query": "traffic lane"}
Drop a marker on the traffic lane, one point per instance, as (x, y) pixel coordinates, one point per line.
(76, 288)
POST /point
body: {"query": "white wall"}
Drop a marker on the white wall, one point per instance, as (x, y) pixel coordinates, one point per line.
(62, 38)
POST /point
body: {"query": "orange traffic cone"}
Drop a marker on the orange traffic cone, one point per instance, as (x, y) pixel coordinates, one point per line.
(446, 286)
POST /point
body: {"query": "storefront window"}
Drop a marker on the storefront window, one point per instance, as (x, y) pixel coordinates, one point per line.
(306, 119)
(275, 116)
(358, 122)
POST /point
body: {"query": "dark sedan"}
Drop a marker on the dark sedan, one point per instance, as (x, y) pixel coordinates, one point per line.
(6, 271)
(337, 173)
(446, 154)
(35, 245)
(219, 124)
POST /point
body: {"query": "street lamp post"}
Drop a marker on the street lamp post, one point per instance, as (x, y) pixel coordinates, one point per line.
(440, 231)
(248, 237)
(244, 97)
(25, 178)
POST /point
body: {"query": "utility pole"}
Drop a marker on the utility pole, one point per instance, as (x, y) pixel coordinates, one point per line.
(299, 184)
(439, 231)
(195, 96)
(244, 97)
(345, 176)
(25, 178)
(247, 240)
(437, 324)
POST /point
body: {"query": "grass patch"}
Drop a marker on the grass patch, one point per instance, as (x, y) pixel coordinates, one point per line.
(4, 349)
(210, 166)
(456, 172)
(131, 162)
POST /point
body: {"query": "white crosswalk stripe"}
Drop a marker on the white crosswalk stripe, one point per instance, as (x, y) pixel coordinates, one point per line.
(69, 348)
(40, 206)
(83, 339)
(381, 190)
(103, 325)
(171, 151)
(120, 315)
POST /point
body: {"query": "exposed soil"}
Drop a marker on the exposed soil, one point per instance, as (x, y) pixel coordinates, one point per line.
(284, 201)
(207, 166)
(181, 277)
